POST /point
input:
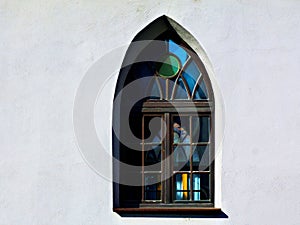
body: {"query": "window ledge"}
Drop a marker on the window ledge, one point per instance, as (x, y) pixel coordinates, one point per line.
(207, 212)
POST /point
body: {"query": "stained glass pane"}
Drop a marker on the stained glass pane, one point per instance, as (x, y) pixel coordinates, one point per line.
(201, 190)
(201, 91)
(179, 51)
(182, 186)
(180, 92)
(191, 75)
(169, 67)
(196, 186)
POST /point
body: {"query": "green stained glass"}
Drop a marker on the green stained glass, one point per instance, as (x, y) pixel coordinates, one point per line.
(169, 67)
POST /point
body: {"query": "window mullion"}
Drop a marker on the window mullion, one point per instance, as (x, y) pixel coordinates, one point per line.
(143, 158)
(190, 158)
(166, 162)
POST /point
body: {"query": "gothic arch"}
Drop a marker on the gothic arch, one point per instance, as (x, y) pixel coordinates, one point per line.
(171, 77)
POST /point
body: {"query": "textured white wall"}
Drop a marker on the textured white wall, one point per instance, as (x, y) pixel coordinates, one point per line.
(45, 50)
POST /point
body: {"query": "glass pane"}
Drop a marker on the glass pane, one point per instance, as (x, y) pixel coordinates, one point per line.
(178, 51)
(152, 187)
(169, 66)
(154, 92)
(171, 84)
(180, 92)
(201, 187)
(201, 128)
(201, 91)
(191, 75)
(201, 158)
(152, 156)
(181, 158)
(152, 129)
(162, 85)
(182, 186)
(181, 127)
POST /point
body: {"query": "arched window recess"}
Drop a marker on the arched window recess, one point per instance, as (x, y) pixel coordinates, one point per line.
(167, 164)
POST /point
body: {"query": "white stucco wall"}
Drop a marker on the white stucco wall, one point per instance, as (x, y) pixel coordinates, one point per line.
(45, 50)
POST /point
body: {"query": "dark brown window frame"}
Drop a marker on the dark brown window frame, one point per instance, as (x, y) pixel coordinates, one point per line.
(166, 109)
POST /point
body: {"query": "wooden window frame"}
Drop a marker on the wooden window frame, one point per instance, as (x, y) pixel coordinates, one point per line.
(165, 206)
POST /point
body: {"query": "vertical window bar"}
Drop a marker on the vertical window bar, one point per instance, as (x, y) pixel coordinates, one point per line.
(167, 89)
(163, 156)
(168, 186)
(191, 157)
(211, 154)
(143, 159)
(159, 88)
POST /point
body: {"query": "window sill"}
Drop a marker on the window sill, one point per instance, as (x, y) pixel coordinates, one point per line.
(207, 212)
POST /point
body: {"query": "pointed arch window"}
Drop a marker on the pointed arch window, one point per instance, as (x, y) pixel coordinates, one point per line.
(177, 69)
(171, 157)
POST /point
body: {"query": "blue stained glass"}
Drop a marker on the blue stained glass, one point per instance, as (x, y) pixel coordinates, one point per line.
(191, 75)
(201, 91)
(196, 186)
(181, 93)
(178, 51)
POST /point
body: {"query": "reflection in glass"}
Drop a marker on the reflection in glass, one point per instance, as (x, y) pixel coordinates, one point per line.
(181, 158)
(152, 187)
(152, 128)
(201, 129)
(153, 156)
(201, 158)
(181, 140)
(180, 127)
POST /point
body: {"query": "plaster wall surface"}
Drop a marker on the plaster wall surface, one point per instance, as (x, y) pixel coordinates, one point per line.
(47, 47)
